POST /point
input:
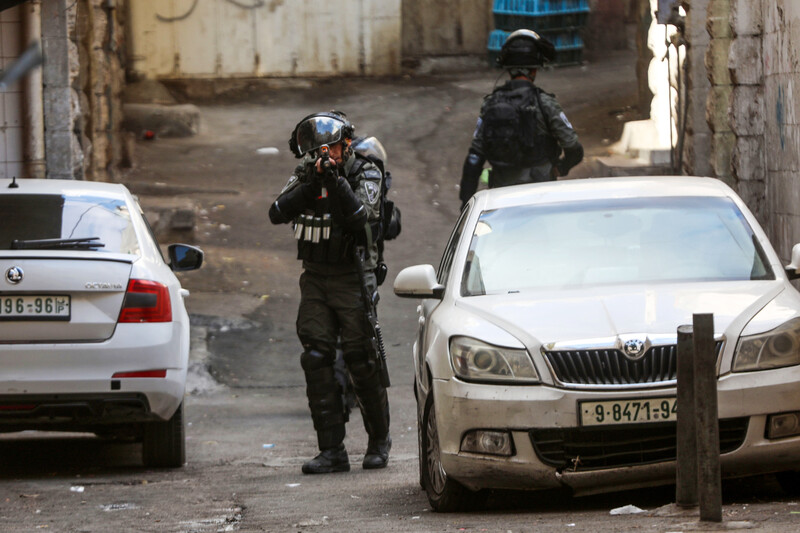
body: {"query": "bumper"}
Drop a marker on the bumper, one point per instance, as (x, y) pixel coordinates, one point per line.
(82, 373)
(461, 407)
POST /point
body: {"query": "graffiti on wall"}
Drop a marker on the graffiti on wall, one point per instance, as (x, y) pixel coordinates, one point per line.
(254, 4)
(780, 118)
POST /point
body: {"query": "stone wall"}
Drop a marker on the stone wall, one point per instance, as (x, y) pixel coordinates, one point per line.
(100, 43)
(752, 63)
(83, 78)
(698, 135)
(780, 61)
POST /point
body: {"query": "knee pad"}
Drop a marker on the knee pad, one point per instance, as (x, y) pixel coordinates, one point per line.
(360, 365)
(323, 390)
(313, 359)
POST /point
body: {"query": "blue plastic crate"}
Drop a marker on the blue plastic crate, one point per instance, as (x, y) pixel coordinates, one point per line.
(540, 15)
(568, 44)
(538, 7)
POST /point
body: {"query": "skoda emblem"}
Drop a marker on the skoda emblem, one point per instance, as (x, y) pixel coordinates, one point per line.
(14, 275)
(633, 349)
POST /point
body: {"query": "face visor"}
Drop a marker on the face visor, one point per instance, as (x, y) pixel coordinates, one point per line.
(317, 131)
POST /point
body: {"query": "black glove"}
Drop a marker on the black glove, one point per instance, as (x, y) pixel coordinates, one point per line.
(291, 204)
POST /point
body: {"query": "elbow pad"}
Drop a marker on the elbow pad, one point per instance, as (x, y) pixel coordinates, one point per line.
(471, 173)
(353, 212)
(289, 205)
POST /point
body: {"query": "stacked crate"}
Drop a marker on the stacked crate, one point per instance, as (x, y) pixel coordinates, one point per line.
(559, 21)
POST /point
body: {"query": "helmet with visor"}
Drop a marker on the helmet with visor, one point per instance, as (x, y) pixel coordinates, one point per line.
(320, 129)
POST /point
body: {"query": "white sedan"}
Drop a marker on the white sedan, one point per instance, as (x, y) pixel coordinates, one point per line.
(546, 352)
(94, 335)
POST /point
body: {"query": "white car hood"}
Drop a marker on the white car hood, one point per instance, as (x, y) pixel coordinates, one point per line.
(581, 314)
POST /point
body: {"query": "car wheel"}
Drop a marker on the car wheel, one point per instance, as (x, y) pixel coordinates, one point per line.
(789, 482)
(164, 443)
(444, 493)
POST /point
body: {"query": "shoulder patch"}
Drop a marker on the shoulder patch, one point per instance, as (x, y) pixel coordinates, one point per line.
(372, 174)
(564, 119)
(373, 190)
(289, 184)
(477, 128)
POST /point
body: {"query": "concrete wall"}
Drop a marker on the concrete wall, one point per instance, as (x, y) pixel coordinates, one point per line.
(221, 38)
(64, 155)
(446, 27)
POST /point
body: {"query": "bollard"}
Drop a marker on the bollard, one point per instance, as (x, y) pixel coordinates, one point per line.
(709, 481)
(686, 458)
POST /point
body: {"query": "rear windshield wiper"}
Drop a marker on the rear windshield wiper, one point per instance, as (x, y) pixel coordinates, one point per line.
(85, 243)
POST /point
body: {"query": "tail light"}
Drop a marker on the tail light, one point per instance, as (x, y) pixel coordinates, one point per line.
(141, 374)
(146, 301)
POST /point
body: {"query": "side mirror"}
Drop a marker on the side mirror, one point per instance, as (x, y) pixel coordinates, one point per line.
(183, 257)
(418, 281)
(793, 268)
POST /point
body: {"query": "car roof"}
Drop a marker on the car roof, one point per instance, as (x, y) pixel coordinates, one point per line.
(64, 187)
(601, 188)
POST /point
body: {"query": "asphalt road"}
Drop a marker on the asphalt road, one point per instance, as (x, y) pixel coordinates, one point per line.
(249, 429)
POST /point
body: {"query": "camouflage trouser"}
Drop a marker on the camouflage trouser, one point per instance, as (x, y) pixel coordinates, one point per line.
(332, 311)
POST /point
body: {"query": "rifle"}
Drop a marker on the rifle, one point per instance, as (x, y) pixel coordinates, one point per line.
(327, 169)
(369, 308)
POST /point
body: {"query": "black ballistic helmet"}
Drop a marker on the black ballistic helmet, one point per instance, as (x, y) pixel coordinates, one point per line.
(525, 49)
(319, 129)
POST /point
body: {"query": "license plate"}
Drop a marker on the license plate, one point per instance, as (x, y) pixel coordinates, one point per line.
(32, 307)
(613, 412)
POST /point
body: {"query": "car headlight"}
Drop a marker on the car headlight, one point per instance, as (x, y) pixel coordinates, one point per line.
(773, 349)
(476, 360)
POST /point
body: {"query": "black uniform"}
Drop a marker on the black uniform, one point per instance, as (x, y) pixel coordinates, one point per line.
(328, 227)
(549, 125)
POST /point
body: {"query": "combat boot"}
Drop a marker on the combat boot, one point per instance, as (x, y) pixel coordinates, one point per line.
(377, 455)
(328, 461)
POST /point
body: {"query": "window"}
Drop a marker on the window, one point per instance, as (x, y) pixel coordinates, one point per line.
(452, 245)
(639, 240)
(54, 216)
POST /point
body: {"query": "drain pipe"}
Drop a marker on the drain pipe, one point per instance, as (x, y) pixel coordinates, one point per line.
(32, 87)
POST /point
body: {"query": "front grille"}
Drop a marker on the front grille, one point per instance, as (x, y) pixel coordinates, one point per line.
(611, 367)
(593, 448)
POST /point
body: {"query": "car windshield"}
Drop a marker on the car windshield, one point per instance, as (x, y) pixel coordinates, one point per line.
(638, 240)
(104, 223)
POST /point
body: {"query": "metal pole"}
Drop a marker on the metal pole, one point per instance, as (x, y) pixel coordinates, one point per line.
(705, 372)
(686, 467)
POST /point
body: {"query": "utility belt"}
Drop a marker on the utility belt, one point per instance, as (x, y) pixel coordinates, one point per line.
(319, 241)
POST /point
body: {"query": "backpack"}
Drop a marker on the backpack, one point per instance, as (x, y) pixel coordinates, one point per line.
(509, 133)
(390, 223)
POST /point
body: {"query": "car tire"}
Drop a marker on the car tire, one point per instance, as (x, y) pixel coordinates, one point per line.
(164, 443)
(445, 494)
(789, 482)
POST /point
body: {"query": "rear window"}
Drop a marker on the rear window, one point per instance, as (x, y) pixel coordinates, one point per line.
(31, 217)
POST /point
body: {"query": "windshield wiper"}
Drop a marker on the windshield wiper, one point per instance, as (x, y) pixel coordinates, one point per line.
(85, 243)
